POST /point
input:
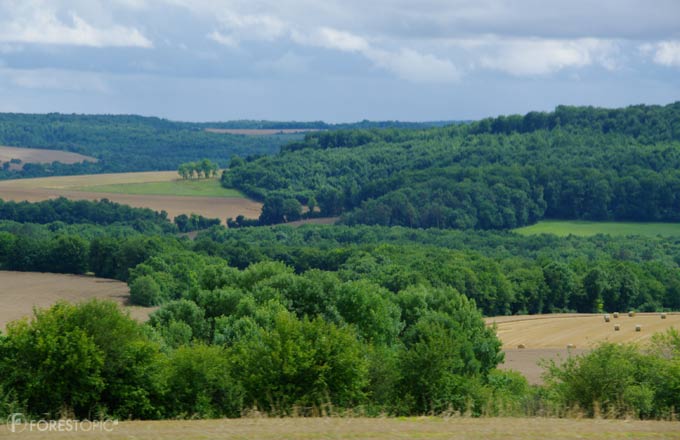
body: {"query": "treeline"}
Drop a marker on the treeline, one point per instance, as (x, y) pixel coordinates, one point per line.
(101, 212)
(320, 125)
(124, 143)
(586, 164)
(503, 274)
(205, 167)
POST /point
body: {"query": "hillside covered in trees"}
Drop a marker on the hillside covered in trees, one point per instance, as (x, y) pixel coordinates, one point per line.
(505, 172)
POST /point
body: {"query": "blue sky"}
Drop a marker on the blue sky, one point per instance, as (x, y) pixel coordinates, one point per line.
(335, 60)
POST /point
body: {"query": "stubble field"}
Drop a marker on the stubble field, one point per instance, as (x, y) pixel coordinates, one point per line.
(22, 291)
(158, 190)
(374, 429)
(39, 155)
(547, 336)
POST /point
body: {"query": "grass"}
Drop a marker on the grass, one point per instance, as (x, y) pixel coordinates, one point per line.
(374, 429)
(202, 188)
(587, 228)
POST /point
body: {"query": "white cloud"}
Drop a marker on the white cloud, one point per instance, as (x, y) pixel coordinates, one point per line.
(42, 26)
(224, 40)
(416, 67)
(665, 53)
(544, 56)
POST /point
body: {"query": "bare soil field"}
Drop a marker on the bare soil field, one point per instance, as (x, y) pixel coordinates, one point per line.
(372, 429)
(39, 155)
(547, 336)
(261, 131)
(21, 291)
(38, 189)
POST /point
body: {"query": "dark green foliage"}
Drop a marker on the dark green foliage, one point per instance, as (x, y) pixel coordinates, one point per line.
(102, 212)
(194, 222)
(574, 163)
(124, 143)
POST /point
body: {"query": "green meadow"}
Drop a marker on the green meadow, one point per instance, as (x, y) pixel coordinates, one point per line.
(195, 188)
(587, 228)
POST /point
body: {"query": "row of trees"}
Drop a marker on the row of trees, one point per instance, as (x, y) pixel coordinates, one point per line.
(205, 168)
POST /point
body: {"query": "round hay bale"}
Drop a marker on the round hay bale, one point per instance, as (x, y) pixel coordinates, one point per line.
(631, 314)
(617, 327)
(616, 315)
(520, 346)
(569, 346)
(663, 316)
(638, 328)
(606, 318)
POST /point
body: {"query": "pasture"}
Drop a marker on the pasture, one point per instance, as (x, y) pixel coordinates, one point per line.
(586, 228)
(39, 155)
(372, 429)
(155, 190)
(547, 336)
(22, 291)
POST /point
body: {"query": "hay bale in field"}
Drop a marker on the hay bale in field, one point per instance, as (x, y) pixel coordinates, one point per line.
(569, 346)
(617, 327)
(616, 315)
(606, 318)
(520, 346)
(631, 314)
(663, 316)
(638, 328)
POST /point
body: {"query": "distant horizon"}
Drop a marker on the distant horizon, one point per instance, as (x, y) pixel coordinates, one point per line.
(355, 121)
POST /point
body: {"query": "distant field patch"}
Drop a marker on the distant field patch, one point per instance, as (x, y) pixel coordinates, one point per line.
(261, 131)
(586, 228)
(21, 291)
(547, 336)
(158, 190)
(39, 155)
(189, 188)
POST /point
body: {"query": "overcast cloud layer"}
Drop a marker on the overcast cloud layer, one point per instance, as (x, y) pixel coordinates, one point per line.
(335, 60)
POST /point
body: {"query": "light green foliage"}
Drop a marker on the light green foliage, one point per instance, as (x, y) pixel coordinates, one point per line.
(189, 188)
(302, 363)
(198, 384)
(586, 228)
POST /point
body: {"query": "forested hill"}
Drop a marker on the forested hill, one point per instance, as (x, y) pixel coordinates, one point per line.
(124, 142)
(573, 163)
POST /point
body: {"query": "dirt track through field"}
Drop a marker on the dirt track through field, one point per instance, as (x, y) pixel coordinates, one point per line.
(21, 291)
(547, 336)
(34, 190)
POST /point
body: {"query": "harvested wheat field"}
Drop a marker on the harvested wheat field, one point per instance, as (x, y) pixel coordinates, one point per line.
(548, 336)
(76, 188)
(370, 429)
(21, 291)
(39, 155)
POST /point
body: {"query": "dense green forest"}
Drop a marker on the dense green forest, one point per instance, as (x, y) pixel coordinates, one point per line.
(124, 143)
(379, 315)
(573, 163)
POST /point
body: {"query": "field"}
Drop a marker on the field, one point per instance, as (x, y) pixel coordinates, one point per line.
(155, 190)
(547, 336)
(38, 155)
(584, 228)
(189, 188)
(21, 291)
(260, 131)
(373, 429)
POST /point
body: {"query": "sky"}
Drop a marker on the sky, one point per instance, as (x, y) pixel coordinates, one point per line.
(335, 60)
